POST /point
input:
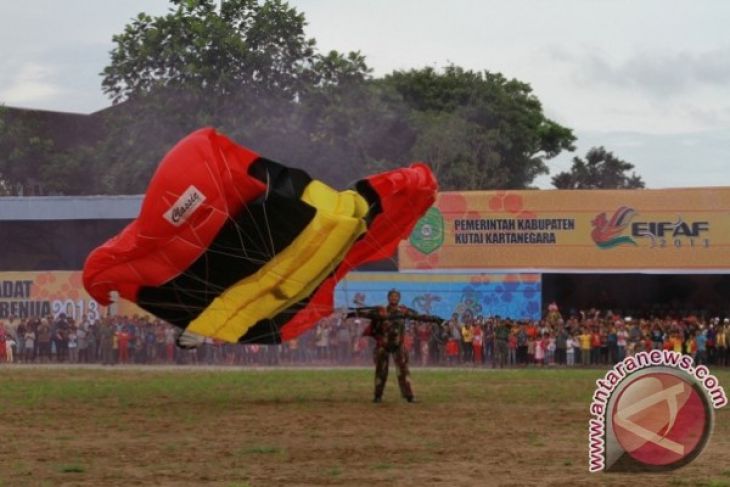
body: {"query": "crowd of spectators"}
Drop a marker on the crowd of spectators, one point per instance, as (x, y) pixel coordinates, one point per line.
(586, 338)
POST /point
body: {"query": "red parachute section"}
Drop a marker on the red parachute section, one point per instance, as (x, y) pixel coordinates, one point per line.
(155, 248)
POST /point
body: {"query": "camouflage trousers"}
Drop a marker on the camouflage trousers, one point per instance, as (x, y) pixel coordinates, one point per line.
(381, 357)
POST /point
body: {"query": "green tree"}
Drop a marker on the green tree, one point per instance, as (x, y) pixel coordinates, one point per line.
(246, 69)
(250, 71)
(600, 170)
(480, 130)
(462, 153)
(348, 129)
(23, 151)
(77, 171)
(206, 52)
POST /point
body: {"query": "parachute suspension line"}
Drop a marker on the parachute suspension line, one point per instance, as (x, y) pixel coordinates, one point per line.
(207, 283)
(242, 200)
(241, 197)
(273, 330)
(266, 216)
(180, 291)
(245, 207)
(268, 252)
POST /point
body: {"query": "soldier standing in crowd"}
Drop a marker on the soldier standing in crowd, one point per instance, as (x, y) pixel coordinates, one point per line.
(107, 343)
(92, 336)
(44, 340)
(437, 344)
(522, 344)
(561, 346)
(59, 337)
(501, 335)
(387, 327)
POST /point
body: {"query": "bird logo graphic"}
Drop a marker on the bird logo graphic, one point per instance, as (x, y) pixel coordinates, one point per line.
(607, 233)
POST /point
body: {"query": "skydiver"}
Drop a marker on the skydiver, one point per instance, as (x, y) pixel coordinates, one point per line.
(387, 327)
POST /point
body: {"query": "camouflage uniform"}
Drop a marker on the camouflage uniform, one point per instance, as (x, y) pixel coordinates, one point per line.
(387, 327)
(501, 336)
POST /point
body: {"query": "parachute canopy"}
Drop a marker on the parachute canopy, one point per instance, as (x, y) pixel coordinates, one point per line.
(237, 247)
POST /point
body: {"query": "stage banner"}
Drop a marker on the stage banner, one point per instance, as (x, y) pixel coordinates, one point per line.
(666, 230)
(516, 296)
(25, 294)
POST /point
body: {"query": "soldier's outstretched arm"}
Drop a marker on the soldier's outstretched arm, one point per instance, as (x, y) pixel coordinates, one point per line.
(414, 315)
(431, 319)
(409, 313)
(369, 312)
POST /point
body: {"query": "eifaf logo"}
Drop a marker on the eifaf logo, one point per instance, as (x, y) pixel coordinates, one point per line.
(185, 206)
(607, 233)
(659, 232)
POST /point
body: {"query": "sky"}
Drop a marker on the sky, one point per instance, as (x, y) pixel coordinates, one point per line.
(647, 79)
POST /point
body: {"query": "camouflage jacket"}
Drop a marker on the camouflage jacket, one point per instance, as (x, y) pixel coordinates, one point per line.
(388, 323)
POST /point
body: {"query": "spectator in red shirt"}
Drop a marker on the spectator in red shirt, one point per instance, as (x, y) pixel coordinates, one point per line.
(123, 346)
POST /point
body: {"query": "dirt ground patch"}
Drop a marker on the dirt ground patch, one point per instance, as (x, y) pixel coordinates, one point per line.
(237, 427)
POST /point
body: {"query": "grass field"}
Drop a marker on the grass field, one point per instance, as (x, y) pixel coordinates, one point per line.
(237, 427)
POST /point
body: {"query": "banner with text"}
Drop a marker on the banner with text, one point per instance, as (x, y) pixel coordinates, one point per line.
(668, 230)
(43, 293)
(516, 296)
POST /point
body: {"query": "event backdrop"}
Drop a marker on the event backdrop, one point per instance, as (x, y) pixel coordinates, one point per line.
(24, 294)
(42, 293)
(516, 296)
(672, 230)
